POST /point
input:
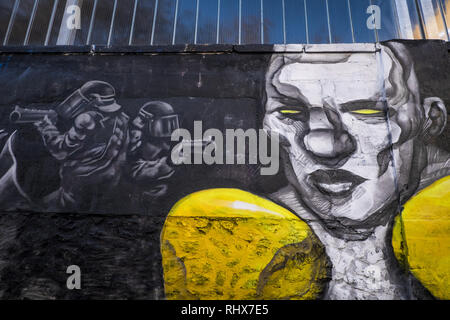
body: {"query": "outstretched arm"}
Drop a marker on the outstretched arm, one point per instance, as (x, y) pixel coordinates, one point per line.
(61, 145)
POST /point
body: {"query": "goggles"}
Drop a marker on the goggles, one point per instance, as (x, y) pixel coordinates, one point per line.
(162, 127)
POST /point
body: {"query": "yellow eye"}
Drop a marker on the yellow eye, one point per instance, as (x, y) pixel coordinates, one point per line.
(367, 111)
(290, 111)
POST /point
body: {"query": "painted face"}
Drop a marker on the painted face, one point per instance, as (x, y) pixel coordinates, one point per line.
(345, 158)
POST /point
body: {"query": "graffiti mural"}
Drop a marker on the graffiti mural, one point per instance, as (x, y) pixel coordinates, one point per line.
(97, 149)
(355, 138)
(357, 209)
(355, 133)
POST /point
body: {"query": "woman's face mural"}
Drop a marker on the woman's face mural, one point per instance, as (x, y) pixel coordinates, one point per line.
(348, 130)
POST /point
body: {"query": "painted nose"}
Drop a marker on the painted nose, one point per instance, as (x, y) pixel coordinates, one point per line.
(328, 141)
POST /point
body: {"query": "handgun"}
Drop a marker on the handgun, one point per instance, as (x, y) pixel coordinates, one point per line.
(24, 115)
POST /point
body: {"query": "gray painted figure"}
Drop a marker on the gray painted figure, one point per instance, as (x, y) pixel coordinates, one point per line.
(149, 149)
(355, 145)
(93, 151)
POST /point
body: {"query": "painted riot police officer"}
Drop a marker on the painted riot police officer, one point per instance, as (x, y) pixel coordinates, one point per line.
(92, 148)
(149, 150)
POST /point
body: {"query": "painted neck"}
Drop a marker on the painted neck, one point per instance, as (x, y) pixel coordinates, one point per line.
(361, 269)
(364, 269)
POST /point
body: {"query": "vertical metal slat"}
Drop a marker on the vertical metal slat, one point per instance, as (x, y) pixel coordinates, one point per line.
(262, 21)
(91, 23)
(11, 22)
(196, 22)
(218, 21)
(441, 9)
(421, 20)
(175, 23)
(396, 20)
(30, 22)
(111, 28)
(328, 21)
(306, 22)
(375, 29)
(284, 21)
(130, 41)
(351, 20)
(154, 22)
(50, 23)
(240, 22)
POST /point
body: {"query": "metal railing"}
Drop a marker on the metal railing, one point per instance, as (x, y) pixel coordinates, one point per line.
(149, 22)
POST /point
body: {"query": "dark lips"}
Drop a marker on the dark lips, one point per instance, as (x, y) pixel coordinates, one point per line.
(334, 178)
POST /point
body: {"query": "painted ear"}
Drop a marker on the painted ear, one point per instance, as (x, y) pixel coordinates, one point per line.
(436, 117)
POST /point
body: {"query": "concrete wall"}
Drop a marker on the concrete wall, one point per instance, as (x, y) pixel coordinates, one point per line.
(362, 130)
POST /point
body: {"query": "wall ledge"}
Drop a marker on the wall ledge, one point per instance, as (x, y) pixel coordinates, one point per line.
(204, 48)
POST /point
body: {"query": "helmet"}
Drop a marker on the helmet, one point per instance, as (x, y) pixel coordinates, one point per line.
(97, 94)
(159, 119)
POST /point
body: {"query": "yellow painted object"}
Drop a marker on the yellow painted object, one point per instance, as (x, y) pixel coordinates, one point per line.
(368, 111)
(231, 244)
(421, 237)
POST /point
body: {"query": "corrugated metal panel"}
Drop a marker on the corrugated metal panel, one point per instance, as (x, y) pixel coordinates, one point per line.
(164, 26)
(433, 18)
(185, 22)
(340, 23)
(19, 27)
(122, 22)
(6, 9)
(318, 31)
(143, 22)
(41, 22)
(358, 9)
